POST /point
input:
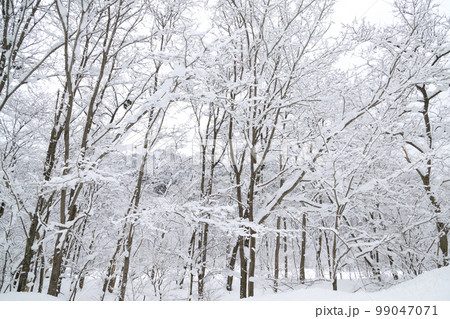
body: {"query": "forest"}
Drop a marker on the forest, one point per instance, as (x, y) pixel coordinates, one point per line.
(187, 149)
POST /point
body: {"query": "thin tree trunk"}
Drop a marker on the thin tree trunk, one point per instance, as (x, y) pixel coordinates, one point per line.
(110, 279)
(303, 250)
(243, 264)
(442, 230)
(285, 239)
(2, 209)
(443, 243)
(231, 265)
(126, 264)
(252, 266)
(191, 252)
(329, 262)
(277, 256)
(319, 271)
(202, 270)
(333, 258)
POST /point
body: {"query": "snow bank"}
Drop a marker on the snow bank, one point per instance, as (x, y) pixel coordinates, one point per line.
(432, 285)
(26, 296)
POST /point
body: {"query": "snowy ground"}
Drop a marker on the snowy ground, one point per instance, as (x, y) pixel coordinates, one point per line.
(432, 285)
(26, 296)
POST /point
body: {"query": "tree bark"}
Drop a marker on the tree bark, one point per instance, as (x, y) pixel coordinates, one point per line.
(442, 229)
(303, 250)
(203, 254)
(285, 239)
(277, 256)
(26, 262)
(243, 264)
(56, 268)
(231, 265)
(126, 264)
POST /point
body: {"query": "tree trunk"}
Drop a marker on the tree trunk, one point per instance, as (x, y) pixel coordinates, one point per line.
(303, 250)
(252, 266)
(2, 280)
(286, 269)
(203, 254)
(319, 272)
(443, 243)
(231, 265)
(277, 256)
(329, 262)
(26, 262)
(243, 262)
(126, 264)
(426, 177)
(191, 252)
(110, 279)
(56, 267)
(2, 209)
(333, 259)
(41, 205)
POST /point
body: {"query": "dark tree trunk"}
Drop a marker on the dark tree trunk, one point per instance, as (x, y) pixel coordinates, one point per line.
(277, 256)
(191, 252)
(231, 265)
(303, 250)
(126, 264)
(25, 265)
(318, 253)
(56, 268)
(26, 262)
(442, 230)
(110, 279)
(443, 242)
(252, 266)
(333, 260)
(329, 263)
(61, 249)
(2, 209)
(243, 262)
(203, 254)
(286, 269)
(2, 280)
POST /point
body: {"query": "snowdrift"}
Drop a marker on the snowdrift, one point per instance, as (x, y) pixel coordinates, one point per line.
(27, 296)
(432, 285)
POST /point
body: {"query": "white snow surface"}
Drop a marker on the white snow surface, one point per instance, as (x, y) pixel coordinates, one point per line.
(26, 296)
(429, 286)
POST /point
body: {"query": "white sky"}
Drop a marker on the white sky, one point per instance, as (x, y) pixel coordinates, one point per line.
(374, 11)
